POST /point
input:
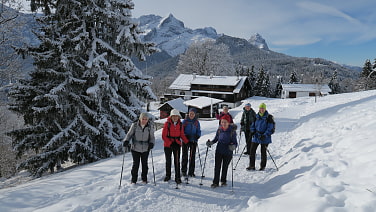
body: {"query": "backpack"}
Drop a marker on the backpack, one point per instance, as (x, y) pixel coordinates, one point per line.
(270, 119)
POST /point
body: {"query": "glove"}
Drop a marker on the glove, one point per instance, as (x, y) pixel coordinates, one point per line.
(197, 137)
(209, 143)
(231, 147)
(262, 137)
(127, 146)
(242, 128)
(151, 145)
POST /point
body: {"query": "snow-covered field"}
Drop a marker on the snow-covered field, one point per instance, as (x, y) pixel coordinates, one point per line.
(324, 150)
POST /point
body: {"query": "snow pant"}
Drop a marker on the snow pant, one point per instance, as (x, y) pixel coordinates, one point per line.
(175, 150)
(221, 160)
(252, 155)
(137, 156)
(188, 155)
(248, 140)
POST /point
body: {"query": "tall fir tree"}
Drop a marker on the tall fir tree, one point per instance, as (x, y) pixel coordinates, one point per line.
(85, 90)
(334, 83)
(278, 87)
(262, 85)
(252, 80)
(293, 78)
(367, 68)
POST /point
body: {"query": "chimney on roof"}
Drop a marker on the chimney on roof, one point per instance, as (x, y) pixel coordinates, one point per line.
(194, 75)
(211, 74)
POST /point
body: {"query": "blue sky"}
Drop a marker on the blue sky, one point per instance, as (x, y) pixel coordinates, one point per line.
(343, 31)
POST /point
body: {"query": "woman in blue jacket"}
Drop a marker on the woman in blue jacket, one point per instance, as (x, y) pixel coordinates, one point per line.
(192, 131)
(226, 138)
(262, 130)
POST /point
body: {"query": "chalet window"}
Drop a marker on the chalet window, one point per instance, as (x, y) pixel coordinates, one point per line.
(182, 93)
(292, 94)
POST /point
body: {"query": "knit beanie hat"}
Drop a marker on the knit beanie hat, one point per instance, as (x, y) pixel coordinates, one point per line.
(192, 110)
(227, 118)
(175, 112)
(262, 105)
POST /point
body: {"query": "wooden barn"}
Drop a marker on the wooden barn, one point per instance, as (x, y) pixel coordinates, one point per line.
(205, 106)
(178, 103)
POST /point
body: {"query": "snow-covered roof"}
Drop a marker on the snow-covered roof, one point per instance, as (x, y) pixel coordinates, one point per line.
(184, 81)
(177, 104)
(306, 87)
(202, 101)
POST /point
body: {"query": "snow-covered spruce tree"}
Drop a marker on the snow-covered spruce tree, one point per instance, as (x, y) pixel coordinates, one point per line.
(262, 86)
(293, 78)
(85, 91)
(334, 83)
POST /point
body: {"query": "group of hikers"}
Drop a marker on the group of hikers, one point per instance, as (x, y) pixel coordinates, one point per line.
(182, 136)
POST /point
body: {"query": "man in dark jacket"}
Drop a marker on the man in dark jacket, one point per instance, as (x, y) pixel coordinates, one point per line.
(248, 117)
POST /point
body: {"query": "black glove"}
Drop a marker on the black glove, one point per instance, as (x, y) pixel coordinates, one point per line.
(262, 137)
(125, 143)
(209, 143)
(151, 145)
(242, 128)
(197, 137)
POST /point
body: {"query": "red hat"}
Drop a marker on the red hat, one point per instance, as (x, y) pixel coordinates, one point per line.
(227, 118)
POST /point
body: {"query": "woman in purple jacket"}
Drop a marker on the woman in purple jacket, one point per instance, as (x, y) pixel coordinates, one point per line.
(226, 138)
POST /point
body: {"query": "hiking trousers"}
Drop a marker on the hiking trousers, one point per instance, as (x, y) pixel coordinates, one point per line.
(188, 156)
(137, 157)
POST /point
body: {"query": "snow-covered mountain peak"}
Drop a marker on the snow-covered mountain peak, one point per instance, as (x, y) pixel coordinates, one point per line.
(171, 35)
(259, 41)
(169, 21)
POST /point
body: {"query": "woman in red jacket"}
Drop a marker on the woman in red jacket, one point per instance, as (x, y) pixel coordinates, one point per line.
(173, 136)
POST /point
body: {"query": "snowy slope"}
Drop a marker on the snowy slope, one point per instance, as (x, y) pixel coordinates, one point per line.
(325, 152)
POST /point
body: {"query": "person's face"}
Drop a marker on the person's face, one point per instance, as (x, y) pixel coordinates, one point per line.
(224, 123)
(174, 118)
(225, 110)
(191, 115)
(247, 107)
(262, 110)
(144, 120)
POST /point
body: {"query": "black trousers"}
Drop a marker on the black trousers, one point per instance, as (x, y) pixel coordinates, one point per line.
(137, 156)
(175, 150)
(188, 155)
(223, 161)
(252, 155)
(248, 140)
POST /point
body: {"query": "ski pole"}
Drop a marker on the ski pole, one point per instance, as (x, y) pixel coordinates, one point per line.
(152, 163)
(122, 167)
(272, 159)
(240, 138)
(203, 170)
(240, 157)
(232, 175)
(199, 157)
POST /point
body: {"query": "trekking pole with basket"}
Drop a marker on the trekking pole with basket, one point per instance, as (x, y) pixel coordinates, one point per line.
(203, 170)
(272, 159)
(152, 163)
(122, 168)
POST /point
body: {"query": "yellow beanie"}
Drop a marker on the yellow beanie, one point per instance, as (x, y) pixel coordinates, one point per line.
(262, 105)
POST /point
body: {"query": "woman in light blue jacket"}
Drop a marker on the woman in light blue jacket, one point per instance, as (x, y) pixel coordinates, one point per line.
(141, 139)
